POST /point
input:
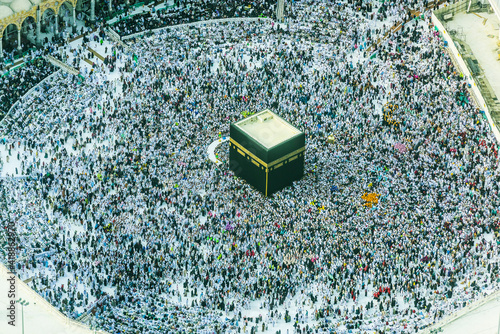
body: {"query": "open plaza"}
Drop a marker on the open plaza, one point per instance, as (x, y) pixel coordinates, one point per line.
(138, 141)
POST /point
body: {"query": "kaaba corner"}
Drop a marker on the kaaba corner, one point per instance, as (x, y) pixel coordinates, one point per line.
(266, 151)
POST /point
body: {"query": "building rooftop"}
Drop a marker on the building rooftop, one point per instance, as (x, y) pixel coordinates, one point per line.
(477, 39)
(267, 128)
(40, 316)
(9, 7)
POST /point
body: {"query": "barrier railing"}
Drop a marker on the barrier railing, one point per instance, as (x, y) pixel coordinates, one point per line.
(63, 66)
(116, 38)
(240, 19)
(27, 93)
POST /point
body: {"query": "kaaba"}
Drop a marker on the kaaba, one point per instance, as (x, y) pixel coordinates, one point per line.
(266, 151)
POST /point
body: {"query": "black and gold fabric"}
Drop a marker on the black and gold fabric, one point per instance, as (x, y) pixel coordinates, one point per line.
(268, 170)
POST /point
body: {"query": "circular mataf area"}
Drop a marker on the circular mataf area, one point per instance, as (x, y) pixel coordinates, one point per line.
(164, 240)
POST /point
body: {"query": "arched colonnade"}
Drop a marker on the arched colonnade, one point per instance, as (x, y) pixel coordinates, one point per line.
(46, 11)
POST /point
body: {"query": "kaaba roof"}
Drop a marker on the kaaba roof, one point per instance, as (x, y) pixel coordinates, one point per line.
(267, 128)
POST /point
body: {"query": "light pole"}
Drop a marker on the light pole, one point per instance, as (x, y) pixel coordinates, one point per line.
(23, 304)
(498, 324)
(279, 10)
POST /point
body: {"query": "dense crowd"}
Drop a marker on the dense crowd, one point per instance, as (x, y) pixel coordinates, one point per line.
(19, 81)
(192, 11)
(394, 225)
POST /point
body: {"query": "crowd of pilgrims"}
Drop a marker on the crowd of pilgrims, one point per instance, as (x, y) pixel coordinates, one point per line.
(19, 81)
(121, 214)
(192, 11)
(36, 69)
